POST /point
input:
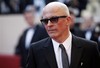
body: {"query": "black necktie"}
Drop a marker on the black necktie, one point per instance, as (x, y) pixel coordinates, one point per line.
(64, 55)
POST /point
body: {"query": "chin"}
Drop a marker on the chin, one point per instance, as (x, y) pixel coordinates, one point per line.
(52, 35)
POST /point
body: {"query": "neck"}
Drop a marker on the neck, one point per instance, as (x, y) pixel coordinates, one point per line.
(61, 39)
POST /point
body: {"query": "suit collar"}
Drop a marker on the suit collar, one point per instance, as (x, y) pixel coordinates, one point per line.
(76, 52)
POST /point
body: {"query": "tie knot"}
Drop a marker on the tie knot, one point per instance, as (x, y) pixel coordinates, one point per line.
(62, 46)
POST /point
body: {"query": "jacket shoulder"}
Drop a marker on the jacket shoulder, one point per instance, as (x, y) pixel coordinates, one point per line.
(39, 44)
(84, 42)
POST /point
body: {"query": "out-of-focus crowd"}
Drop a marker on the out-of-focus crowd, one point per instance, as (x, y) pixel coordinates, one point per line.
(18, 6)
(86, 14)
(85, 20)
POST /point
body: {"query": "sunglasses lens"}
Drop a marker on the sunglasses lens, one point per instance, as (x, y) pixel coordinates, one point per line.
(54, 20)
(44, 21)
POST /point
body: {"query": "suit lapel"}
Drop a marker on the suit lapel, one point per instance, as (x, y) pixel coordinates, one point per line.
(49, 54)
(76, 52)
(34, 37)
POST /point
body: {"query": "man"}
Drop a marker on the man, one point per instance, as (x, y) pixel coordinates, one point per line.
(32, 34)
(50, 52)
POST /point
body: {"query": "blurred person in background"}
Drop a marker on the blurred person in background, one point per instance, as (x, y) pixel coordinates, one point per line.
(90, 28)
(14, 6)
(87, 24)
(10, 6)
(73, 26)
(24, 3)
(96, 34)
(93, 34)
(93, 7)
(78, 5)
(32, 34)
(4, 6)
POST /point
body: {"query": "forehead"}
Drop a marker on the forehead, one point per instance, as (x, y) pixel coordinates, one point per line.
(53, 10)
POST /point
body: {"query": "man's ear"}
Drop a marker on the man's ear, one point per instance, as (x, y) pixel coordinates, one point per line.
(69, 20)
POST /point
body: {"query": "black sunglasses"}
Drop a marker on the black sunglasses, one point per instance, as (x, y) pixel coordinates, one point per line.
(52, 19)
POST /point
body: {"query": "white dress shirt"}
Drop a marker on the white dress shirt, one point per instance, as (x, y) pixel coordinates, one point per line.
(67, 44)
(88, 35)
(29, 36)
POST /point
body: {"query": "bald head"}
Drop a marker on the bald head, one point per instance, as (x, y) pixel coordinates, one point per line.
(57, 8)
(55, 15)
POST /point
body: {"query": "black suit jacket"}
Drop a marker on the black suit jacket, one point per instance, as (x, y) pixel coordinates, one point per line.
(84, 54)
(40, 33)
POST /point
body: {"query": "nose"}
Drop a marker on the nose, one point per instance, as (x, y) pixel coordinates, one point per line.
(49, 23)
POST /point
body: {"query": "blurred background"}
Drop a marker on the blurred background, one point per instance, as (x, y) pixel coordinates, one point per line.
(85, 15)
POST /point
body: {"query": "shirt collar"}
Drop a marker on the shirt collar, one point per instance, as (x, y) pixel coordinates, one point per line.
(67, 43)
(55, 45)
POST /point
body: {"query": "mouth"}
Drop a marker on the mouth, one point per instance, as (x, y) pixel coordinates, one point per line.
(51, 31)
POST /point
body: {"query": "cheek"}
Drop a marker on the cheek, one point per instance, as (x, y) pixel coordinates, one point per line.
(46, 27)
(62, 26)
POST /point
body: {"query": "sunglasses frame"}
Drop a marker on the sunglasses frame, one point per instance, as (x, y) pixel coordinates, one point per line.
(53, 19)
